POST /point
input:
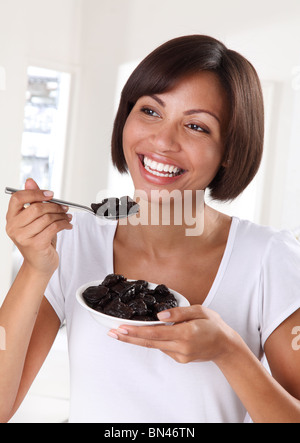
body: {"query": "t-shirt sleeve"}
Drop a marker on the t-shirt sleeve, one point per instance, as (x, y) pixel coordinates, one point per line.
(54, 293)
(280, 281)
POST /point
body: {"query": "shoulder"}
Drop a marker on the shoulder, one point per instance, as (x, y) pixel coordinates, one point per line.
(246, 228)
(265, 240)
(265, 235)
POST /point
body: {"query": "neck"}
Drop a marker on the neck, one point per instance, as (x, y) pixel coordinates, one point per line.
(173, 209)
(159, 231)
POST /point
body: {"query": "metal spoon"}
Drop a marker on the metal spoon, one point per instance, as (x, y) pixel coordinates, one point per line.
(134, 210)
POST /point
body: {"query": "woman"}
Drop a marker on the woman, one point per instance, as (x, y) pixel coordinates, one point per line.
(190, 118)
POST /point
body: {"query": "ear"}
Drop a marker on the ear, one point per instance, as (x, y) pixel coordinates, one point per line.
(226, 163)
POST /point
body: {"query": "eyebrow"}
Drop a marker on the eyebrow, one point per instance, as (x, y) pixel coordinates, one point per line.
(200, 111)
(190, 112)
(159, 100)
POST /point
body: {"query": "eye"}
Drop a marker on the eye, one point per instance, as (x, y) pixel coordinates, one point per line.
(150, 112)
(197, 128)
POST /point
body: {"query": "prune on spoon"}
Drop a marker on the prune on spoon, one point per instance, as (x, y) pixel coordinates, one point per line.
(114, 207)
(125, 205)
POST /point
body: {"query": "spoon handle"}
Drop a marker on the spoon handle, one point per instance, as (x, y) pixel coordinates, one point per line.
(9, 190)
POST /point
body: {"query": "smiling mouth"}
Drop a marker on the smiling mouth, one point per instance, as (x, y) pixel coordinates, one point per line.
(160, 169)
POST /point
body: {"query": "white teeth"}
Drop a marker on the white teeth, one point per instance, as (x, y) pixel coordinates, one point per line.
(156, 168)
(158, 174)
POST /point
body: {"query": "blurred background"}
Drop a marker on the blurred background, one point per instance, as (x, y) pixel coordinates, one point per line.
(62, 67)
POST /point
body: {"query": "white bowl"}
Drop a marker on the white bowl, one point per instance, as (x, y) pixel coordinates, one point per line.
(114, 322)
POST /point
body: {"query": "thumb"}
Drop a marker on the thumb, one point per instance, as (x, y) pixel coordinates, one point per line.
(31, 184)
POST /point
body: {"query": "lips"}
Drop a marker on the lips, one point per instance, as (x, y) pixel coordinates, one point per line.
(159, 169)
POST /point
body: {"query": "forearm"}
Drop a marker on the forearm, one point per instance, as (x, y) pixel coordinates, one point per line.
(264, 398)
(17, 318)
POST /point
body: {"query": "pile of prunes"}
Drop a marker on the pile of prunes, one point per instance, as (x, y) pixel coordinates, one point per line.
(118, 297)
(116, 208)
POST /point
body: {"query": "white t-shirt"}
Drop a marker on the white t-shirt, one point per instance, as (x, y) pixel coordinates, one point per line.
(256, 288)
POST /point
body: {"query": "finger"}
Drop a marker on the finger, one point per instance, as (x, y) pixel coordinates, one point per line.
(159, 332)
(37, 210)
(39, 225)
(47, 236)
(183, 314)
(54, 228)
(162, 345)
(178, 316)
(31, 184)
(20, 198)
(163, 333)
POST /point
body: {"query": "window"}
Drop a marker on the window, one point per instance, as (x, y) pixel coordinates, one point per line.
(45, 125)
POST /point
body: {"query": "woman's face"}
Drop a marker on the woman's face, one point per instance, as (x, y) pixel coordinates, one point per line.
(174, 140)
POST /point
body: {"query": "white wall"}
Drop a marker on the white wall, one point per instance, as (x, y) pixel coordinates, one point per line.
(103, 43)
(274, 48)
(31, 32)
(92, 39)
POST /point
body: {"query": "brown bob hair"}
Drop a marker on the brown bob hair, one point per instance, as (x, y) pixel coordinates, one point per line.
(244, 136)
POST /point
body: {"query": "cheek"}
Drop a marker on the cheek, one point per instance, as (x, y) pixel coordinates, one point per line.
(127, 143)
(131, 139)
(208, 161)
(131, 136)
(126, 137)
(210, 155)
(135, 130)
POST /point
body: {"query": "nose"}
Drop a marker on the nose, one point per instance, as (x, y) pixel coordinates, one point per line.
(165, 138)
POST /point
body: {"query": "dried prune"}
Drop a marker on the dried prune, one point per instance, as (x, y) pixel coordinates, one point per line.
(103, 302)
(118, 297)
(149, 299)
(125, 205)
(139, 306)
(118, 309)
(162, 290)
(144, 317)
(140, 285)
(169, 301)
(115, 208)
(109, 207)
(162, 307)
(121, 287)
(128, 295)
(112, 279)
(94, 294)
